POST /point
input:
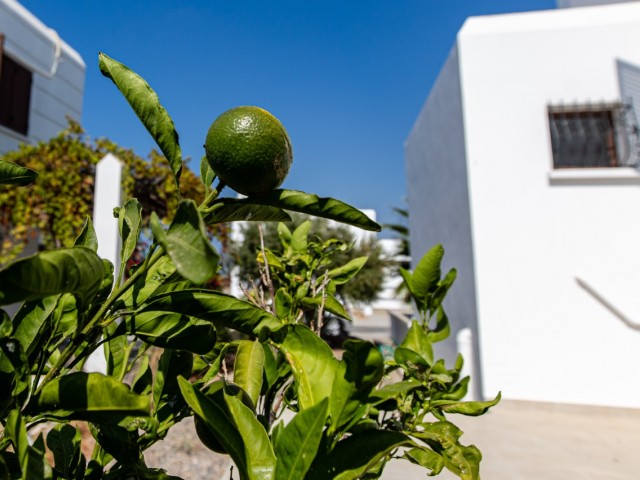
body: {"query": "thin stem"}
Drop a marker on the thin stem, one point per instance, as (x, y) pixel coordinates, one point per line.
(269, 283)
(213, 195)
(79, 338)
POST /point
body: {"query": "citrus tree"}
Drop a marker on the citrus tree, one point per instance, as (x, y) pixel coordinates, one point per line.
(345, 422)
(362, 288)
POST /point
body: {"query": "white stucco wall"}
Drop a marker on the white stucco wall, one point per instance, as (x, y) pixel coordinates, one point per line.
(58, 85)
(437, 197)
(543, 337)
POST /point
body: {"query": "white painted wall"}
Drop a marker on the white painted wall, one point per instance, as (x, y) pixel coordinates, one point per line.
(534, 231)
(58, 82)
(437, 196)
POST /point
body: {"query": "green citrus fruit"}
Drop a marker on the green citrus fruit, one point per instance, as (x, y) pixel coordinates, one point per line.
(249, 149)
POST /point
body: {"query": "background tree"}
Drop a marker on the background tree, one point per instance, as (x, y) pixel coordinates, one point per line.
(53, 209)
(363, 288)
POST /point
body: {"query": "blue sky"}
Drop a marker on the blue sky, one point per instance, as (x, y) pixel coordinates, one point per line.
(346, 78)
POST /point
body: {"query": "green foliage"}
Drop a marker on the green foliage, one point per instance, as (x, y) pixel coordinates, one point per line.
(344, 422)
(332, 247)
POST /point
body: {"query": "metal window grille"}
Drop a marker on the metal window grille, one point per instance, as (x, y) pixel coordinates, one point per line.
(592, 136)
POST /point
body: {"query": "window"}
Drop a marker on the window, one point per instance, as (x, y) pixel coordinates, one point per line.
(592, 136)
(15, 93)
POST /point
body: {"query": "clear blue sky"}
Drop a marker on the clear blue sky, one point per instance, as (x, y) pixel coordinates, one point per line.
(347, 78)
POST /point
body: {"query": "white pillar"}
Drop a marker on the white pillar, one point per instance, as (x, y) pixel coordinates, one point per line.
(107, 196)
(464, 341)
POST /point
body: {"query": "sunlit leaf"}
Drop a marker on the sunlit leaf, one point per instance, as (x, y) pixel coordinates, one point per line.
(146, 105)
(443, 438)
(346, 272)
(129, 225)
(472, 409)
(427, 273)
(187, 245)
(352, 457)
(311, 204)
(215, 307)
(89, 396)
(297, 444)
(87, 237)
(248, 368)
(228, 210)
(313, 365)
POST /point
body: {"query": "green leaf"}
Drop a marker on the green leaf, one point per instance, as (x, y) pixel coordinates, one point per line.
(166, 392)
(285, 236)
(146, 105)
(76, 270)
(417, 340)
(346, 272)
(299, 237)
(31, 458)
(352, 457)
(443, 438)
(426, 458)
(330, 304)
(12, 174)
(207, 175)
(143, 380)
(89, 396)
(409, 358)
(87, 237)
(129, 225)
(64, 441)
(392, 391)
(283, 303)
(172, 330)
(187, 245)
(311, 204)
(248, 368)
(312, 363)
(359, 371)
(228, 210)
(442, 329)
(427, 273)
(236, 428)
(215, 307)
(116, 353)
(14, 359)
(28, 325)
(297, 444)
(472, 409)
(261, 461)
(159, 274)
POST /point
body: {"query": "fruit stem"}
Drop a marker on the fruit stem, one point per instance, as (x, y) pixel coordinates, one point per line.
(213, 195)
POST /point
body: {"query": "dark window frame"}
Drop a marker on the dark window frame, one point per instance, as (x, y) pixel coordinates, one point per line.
(590, 136)
(15, 93)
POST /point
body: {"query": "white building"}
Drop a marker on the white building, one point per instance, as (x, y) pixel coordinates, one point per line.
(41, 79)
(523, 164)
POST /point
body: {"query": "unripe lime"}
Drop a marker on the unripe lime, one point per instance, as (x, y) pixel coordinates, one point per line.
(249, 149)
